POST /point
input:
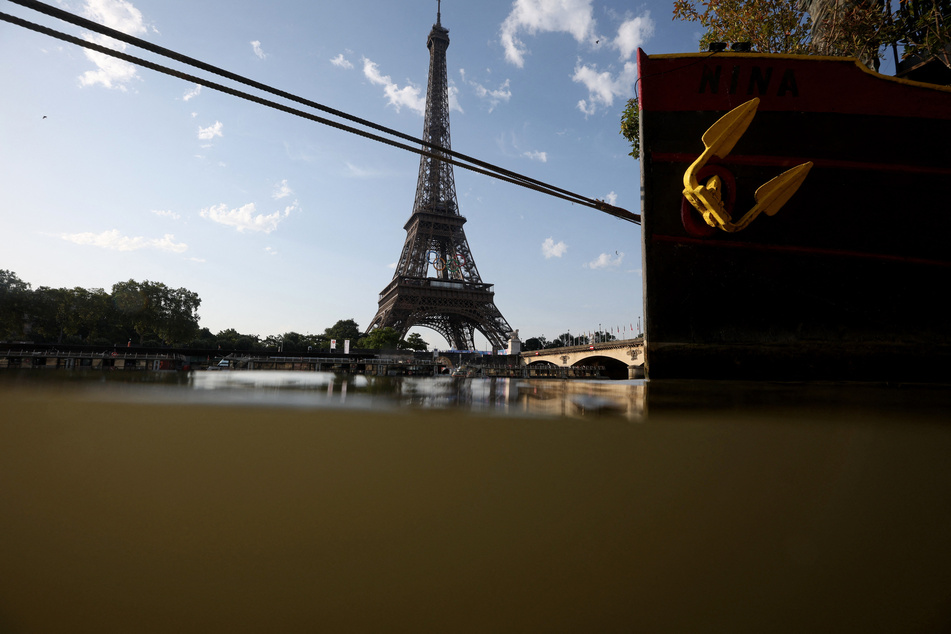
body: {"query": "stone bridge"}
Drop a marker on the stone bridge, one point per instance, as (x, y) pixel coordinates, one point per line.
(622, 359)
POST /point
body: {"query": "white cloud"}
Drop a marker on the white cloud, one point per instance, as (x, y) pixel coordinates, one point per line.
(119, 15)
(632, 34)
(111, 72)
(211, 131)
(545, 16)
(587, 109)
(493, 97)
(115, 241)
(116, 14)
(453, 98)
(611, 198)
(245, 219)
(166, 214)
(282, 190)
(270, 251)
(536, 156)
(603, 87)
(606, 260)
(409, 96)
(341, 62)
(552, 250)
(256, 47)
(359, 172)
(191, 94)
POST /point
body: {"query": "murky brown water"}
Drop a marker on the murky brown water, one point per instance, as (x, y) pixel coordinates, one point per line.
(232, 503)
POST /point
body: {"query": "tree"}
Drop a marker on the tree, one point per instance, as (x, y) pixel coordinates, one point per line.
(133, 309)
(343, 329)
(854, 28)
(293, 342)
(415, 342)
(152, 308)
(631, 126)
(924, 28)
(203, 339)
(227, 338)
(14, 298)
(561, 341)
(535, 343)
(770, 26)
(42, 310)
(231, 339)
(177, 313)
(379, 338)
(246, 343)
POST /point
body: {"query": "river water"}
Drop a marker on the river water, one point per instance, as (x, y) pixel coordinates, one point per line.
(268, 501)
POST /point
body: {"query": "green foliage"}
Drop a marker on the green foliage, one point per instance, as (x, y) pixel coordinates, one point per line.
(924, 27)
(204, 339)
(566, 339)
(561, 341)
(854, 28)
(534, 343)
(294, 342)
(380, 338)
(148, 311)
(14, 295)
(771, 26)
(154, 309)
(415, 342)
(631, 126)
(342, 330)
(153, 314)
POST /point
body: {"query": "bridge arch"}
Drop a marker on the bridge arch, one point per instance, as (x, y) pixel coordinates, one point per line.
(613, 368)
(621, 359)
(542, 363)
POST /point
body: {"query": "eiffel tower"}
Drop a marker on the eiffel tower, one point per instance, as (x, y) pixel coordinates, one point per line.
(437, 284)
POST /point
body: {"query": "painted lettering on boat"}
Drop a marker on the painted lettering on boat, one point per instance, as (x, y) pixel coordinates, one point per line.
(756, 80)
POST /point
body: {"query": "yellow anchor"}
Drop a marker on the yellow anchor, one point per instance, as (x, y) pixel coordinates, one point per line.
(718, 141)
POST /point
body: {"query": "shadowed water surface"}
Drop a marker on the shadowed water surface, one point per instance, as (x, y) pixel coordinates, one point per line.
(248, 502)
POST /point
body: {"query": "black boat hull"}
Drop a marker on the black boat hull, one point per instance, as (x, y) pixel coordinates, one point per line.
(850, 279)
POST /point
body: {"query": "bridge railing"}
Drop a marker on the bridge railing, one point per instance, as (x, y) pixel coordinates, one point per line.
(601, 345)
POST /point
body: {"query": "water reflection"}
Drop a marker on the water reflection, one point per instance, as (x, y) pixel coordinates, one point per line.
(492, 396)
(629, 400)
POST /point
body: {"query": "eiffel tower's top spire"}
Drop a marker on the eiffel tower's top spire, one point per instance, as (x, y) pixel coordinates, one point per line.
(438, 29)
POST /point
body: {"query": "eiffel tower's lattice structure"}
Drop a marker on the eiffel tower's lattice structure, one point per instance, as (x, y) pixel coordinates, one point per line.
(437, 284)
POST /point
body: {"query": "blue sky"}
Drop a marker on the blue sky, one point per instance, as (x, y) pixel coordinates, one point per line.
(110, 172)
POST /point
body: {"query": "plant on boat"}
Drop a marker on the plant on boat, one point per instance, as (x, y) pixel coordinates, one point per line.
(630, 126)
(855, 28)
(770, 26)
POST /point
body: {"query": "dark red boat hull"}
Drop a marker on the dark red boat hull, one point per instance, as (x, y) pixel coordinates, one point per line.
(850, 280)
